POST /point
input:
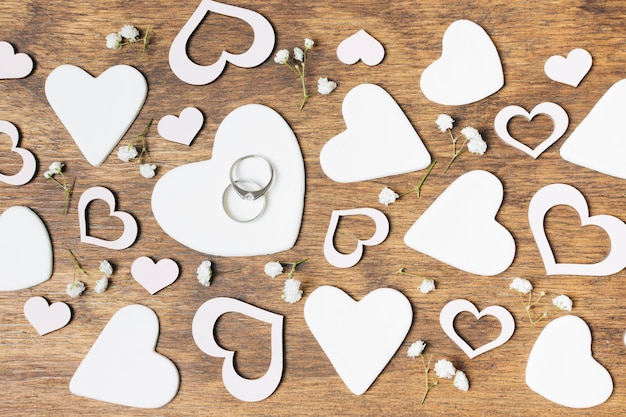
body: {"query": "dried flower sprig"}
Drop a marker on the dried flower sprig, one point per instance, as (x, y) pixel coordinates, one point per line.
(522, 287)
(126, 36)
(126, 153)
(291, 291)
(56, 168)
(473, 139)
(427, 284)
(388, 196)
(77, 287)
(205, 273)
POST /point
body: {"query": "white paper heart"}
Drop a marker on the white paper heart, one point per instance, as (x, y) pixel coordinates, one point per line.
(96, 112)
(25, 249)
(46, 318)
(479, 246)
(29, 164)
(595, 144)
(187, 201)
(192, 73)
(129, 234)
(450, 80)
(359, 338)
(182, 129)
(554, 111)
(556, 194)
(154, 276)
(13, 65)
(122, 366)
(561, 368)
(455, 307)
(379, 140)
(570, 70)
(203, 334)
(361, 47)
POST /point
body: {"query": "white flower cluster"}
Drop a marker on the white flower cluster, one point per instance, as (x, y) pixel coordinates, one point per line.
(475, 143)
(325, 86)
(204, 273)
(291, 291)
(76, 287)
(273, 269)
(562, 302)
(103, 283)
(427, 286)
(116, 40)
(54, 169)
(473, 139)
(387, 196)
(521, 285)
(127, 153)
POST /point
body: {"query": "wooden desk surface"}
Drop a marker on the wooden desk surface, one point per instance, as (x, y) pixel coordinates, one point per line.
(36, 371)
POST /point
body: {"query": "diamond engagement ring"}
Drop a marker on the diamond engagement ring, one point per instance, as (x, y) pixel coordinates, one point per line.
(243, 186)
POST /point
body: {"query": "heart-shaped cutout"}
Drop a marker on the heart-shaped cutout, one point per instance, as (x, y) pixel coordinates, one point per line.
(561, 368)
(14, 65)
(379, 140)
(557, 194)
(29, 164)
(455, 307)
(128, 236)
(341, 260)
(595, 144)
(481, 246)
(187, 202)
(203, 334)
(25, 249)
(361, 47)
(96, 112)
(570, 70)
(553, 111)
(122, 367)
(46, 318)
(359, 338)
(192, 73)
(182, 129)
(154, 276)
(450, 80)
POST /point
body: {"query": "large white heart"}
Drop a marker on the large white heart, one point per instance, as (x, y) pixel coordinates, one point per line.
(379, 140)
(560, 366)
(359, 338)
(469, 68)
(478, 244)
(96, 112)
(25, 249)
(122, 366)
(595, 143)
(187, 201)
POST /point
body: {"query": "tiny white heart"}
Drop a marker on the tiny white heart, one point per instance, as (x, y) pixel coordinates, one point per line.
(455, 307)
(361, 46)
(13, 65)
(570, 70)
(182, 129)
(46, 318)
(154, 276)
(554, 111)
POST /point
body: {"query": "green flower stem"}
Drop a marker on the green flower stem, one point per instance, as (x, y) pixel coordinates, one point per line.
(77, 266)
(294, 265)
(145, 42)
(402, 271)
(418, 189)
(528, 305)
(455, 152)
(225, 272)
(428, 385)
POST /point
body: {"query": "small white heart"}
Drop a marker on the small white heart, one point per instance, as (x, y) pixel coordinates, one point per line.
(13, 65)
(154, 276)
(182, 129)
(29, 164)
(361, 46)
(570, 70)
(46, 318)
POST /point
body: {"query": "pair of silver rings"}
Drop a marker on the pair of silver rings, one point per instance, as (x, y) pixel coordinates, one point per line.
(244, 199)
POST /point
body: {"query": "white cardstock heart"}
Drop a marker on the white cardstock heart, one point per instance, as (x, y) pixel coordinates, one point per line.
(450, 80)
(203, 334)
(359, 338)
(561, 368)
(46, 318)
(128, 236)
(570, 70)
(154, 276)
(122, 367)
(455, 307)
(553, 111)
(25, 249)
(96, 112)
(192, 73)
(595, 144)
(29, 164)
(563, 194)
(13, 65)
(182, 129)
(379, 140)
(187, 202)
(481, 246)
(361, 47)
(342, 260)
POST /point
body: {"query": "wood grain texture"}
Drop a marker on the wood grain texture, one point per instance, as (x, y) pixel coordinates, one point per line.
(36, 371)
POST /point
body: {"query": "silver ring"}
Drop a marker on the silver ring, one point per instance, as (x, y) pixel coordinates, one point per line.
(242, 211)
(242, 191)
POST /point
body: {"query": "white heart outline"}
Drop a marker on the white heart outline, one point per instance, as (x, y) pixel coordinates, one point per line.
(361, 46)
(154, 276)
(570, 70)
(203, 326)
(44, 317)
(129, 235)
(563, 194)
(29, 164)
(181, 129)
(191, 73)
(342, 260)
(455, 307)
(555, 112)
(20, 65)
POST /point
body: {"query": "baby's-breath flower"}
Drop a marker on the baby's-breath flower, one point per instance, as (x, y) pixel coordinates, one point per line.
(273, 268)
(325, 86)
(56, 168)
(106, 268)
(147, 170)
(130, 33)
(204, 273)
(521, 285)
(308, 43)
(114, 41)
(282, 56)
(473, 139)
(387, 196)
(444, 369)
(298, 54)
(127, 152)
(562, 302)
(75, 288)
(101, 285)
(470, 133)
(477, 146)
(292, 292)
(427, 285)
(416, 349)
(444, 122)
(461, 381)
